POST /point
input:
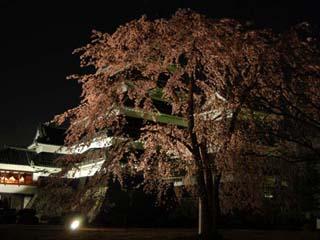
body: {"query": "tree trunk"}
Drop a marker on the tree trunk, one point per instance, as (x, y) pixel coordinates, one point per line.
(209, 211)
(216, 187)
(209, 186)
(205, 186)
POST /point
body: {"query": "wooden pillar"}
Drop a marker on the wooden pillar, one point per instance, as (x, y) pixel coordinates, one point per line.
(199, 217)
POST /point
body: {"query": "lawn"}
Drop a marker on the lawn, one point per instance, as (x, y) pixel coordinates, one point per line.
(42, 232)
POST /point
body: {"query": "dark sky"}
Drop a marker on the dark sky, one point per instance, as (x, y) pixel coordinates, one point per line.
(37, 39)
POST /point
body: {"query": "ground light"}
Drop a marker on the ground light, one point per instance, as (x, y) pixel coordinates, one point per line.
(75, 224)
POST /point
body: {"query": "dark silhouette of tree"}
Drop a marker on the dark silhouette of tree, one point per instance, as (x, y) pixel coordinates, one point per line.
(230, 90)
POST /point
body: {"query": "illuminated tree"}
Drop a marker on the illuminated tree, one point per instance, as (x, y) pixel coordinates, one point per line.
(217, 81)
(297, 91)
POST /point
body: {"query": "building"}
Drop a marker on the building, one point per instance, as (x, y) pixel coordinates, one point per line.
(21, 168)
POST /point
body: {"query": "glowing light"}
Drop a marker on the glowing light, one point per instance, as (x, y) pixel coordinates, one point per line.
(11, 179)
(75, 224)
(21, 179)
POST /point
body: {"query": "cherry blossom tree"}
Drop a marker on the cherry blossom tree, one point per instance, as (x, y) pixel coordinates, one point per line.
(222, 86)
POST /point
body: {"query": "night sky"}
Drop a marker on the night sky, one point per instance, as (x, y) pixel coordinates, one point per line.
(37, 39)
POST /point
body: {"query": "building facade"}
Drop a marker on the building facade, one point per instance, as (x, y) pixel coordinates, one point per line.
(21, 168)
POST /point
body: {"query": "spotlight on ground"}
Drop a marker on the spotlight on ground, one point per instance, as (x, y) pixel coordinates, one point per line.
(75, 224)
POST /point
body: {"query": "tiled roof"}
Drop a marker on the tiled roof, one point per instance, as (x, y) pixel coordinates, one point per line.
(49, 134)
(12, 155)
